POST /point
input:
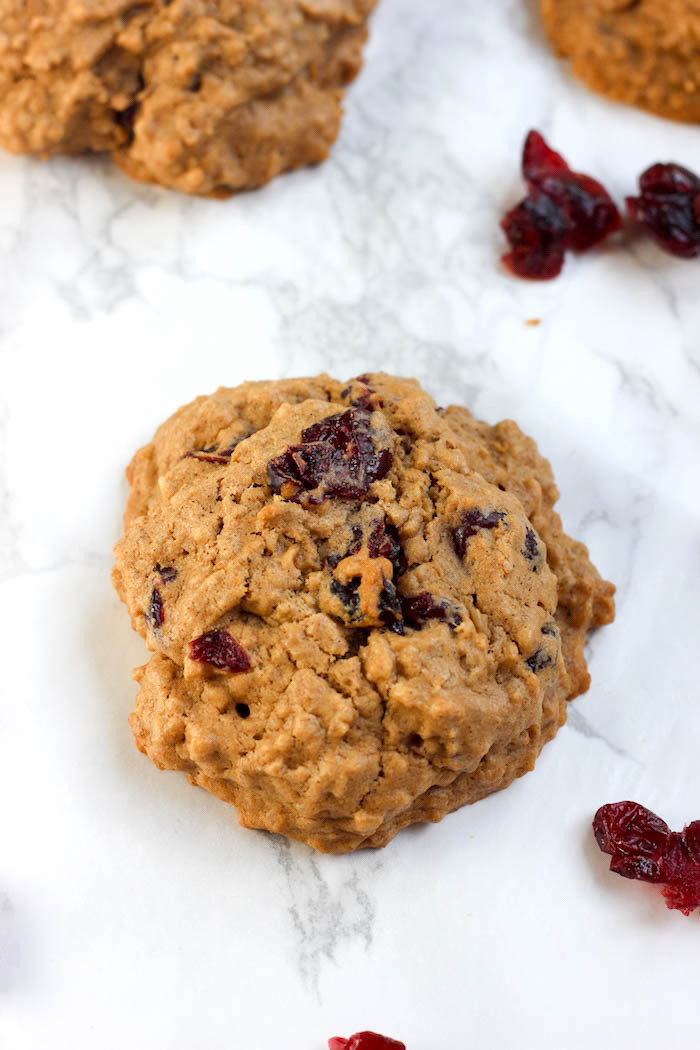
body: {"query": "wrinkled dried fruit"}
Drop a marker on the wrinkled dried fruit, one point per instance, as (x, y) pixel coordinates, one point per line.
(155, 614)
(336, 459)
(384, 542)
(365, 1041)
(472, 522)
(390, 608)
(643, 847)
(221, 650)
(531, 548)
(668, 206)
(539, 660)
(166, 572)
(564, 210)
(424, 606)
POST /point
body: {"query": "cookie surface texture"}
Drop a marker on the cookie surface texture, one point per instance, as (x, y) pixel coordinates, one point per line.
(206, 96)
(363, 610)
(645, 53)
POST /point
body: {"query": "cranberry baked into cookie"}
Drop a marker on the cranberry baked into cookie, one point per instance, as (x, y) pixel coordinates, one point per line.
(207, 96)
(646, 52)
(363, 608)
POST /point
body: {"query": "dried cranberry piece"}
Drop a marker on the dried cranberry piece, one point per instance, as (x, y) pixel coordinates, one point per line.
(668, 206)
(531, 548)
(208, 455)
(642, 847)
(166, 572)
(365, 1041)
(337, 457)
(564, 210)
(390, 608)
(539, 660)
(221, 650)
(472, 522)
(155, 615)
(384, 542)
(424, 606)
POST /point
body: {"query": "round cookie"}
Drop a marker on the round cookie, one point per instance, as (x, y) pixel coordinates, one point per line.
(206, 97)
(646, 53)
(362, 606)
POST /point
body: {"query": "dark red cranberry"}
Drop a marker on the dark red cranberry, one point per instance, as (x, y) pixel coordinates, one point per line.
(643, 847)
(564, 210)
(531, 547)
(365, 1041)
(156, 613)
(221, 650)
(539, 660)
(384, 542)
(336, 459)
(424, 606)
(209, 455)
(166, 572)
(472, 522)
(668, 206)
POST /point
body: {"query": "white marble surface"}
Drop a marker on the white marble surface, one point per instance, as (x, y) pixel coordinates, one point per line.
(133, 909)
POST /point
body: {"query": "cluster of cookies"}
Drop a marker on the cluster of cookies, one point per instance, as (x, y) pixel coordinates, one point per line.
(210, 97)
(363, 610)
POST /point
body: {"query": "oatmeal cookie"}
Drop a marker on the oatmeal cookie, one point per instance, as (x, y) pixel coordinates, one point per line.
(206, 96)
(646, 53)
(363, 608)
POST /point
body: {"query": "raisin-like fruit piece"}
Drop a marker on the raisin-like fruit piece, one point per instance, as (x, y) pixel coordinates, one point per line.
(166, 572)
(155, 615)
(643, 847)
(221, 650)
(336, 459)
(668, 206)
(208, 455)
(390, 608)
(347, 593)
(539, 660)
(365, 1041)
(424, 606)
(384, 542)
(531, 547)
(472, 522)
(564, 210)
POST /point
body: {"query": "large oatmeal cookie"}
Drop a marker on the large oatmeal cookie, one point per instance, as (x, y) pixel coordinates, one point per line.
(363, 608)
(207, 96)
(645, 52)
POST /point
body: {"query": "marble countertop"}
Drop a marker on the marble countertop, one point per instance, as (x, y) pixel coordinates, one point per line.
(133, 909)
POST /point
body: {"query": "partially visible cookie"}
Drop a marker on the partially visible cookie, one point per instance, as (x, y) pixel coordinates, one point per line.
(644, 52)
(205, 96)
(363, 608)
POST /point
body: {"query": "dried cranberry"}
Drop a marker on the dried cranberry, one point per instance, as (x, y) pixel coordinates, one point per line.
(531, 548)
(668, 206)
(208, 455)
(424, 606)
(337, 458)
(539, 660)
(390, 609)
(643, 847)
(384, 542)
(472, 522)
(156, 613)
(221, 650)
(166, 572)
(365, 1041)
(564, 210)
